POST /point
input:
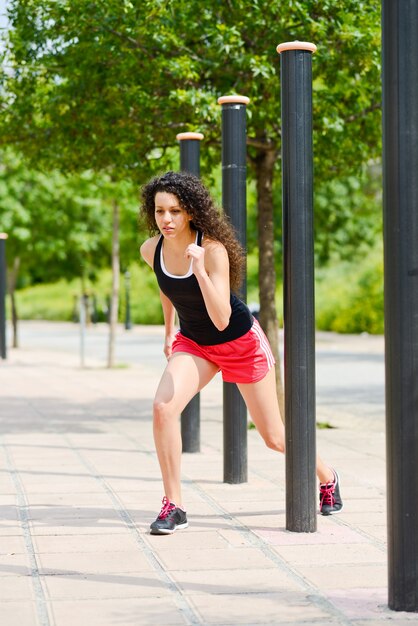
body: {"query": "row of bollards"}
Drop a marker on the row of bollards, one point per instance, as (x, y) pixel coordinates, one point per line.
(297, 166)
(400, 138)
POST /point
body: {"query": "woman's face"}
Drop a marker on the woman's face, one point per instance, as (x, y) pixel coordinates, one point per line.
(170, 217)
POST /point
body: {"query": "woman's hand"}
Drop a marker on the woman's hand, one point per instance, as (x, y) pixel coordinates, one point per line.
(197, 253)
(167, 345)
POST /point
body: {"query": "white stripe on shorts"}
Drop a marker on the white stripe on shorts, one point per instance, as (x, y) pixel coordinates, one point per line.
(264, 344)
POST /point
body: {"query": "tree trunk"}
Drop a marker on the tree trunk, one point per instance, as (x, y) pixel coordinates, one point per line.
(114, 301)
(264, 167)
(12, 276)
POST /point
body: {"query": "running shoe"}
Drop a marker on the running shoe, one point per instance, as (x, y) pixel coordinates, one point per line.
(329, 496)
(170, 519)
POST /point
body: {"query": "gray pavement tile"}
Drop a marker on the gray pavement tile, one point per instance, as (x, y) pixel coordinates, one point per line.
(233, 581)
(10, 529)
(349, 577)
(135, 483)
(187, 540)
(72, 514)
(62, 544)
(92, 562)
(365, 603)
(14, 565)
(257, 507)
(254, 608)
(214, 558)
(357, 518)
(342, 554)
(366, 505)
(400, 619)
(69, 485)
(378, 533)
(124, 612)
(7, 487)
(12, 545)
(263, 520)
(104, 586)
(74, 500)
(18, 613)
(9, 513)
(65, 527)
(235, 538)
(65, 424)
(15, 588)
(327, 533)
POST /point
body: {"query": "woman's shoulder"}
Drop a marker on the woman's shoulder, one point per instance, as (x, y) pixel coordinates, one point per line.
(212, 244)
(214, 248)
(147, 249)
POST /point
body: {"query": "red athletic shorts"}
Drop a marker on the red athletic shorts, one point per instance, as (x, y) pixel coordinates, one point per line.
(243, 360)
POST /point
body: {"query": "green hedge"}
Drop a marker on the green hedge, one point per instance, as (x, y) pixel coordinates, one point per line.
(349, 296)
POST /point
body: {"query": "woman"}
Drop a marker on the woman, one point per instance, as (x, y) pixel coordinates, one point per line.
(198, 263)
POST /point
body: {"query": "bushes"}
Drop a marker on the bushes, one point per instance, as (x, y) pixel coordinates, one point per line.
(349, 296)
(59, 301)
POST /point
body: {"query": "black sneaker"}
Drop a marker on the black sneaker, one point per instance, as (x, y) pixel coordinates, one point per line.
(329, 496)
(170, 519)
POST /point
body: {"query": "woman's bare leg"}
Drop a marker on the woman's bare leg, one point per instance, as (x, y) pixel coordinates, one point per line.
(183, 377)
(262, 403)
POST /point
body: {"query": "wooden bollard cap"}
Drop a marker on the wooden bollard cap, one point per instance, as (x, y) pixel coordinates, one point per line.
(182, 136)
(233, 100)
(296, 45)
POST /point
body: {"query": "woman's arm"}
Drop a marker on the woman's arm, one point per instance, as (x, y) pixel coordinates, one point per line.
(211, 268)
(147, 252)
(169, 313)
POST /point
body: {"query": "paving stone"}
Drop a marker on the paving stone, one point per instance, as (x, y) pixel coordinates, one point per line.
(253, 608)
(244, 581)
(319, 555)
(235, 564)
(104, 586)
(129, 612)
(18, 613)
(92, 562)
(206, 559)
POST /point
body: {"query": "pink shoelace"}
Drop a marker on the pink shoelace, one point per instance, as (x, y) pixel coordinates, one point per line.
(166, 508)
(327, 492)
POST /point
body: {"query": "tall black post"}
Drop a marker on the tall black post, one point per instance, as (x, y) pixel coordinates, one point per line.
(190, 417)
(3, 289)
(299, 307)
(234, 199)
(400, 209)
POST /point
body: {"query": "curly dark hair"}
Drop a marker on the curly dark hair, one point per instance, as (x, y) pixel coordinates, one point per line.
(196, 200)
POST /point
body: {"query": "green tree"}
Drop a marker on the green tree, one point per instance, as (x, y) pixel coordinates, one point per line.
(58, 225)
(107, 84)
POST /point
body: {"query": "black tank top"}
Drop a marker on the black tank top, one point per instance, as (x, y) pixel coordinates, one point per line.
(195, 323)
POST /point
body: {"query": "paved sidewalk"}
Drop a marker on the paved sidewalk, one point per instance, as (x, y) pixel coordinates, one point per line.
(79, 485)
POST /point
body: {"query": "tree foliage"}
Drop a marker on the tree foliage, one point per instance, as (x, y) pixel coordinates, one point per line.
(59, 226)
(108, 83)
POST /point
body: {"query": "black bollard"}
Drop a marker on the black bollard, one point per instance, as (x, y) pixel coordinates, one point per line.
(190, 417)
(234, 200)
(299, 304)
(400, 211)
(190, 152)
(3, 289)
